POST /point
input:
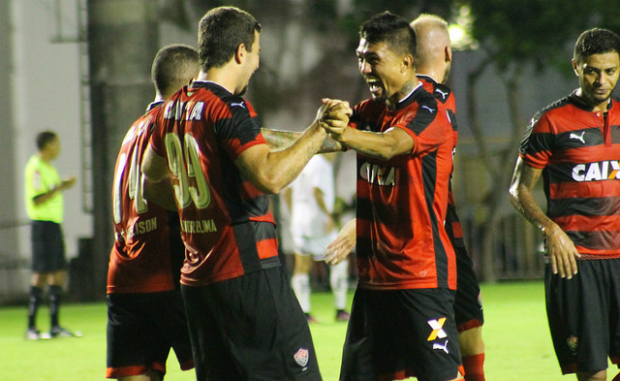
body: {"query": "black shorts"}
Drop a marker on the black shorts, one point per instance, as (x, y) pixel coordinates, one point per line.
(250, 328)
(141, 330)
(467, 303)
(48, 247)
(393, 335)
(583, 315)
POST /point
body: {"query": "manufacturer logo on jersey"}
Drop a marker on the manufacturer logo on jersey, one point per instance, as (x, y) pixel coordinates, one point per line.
(443, 94)
(301, 357)
(604, 170)
(577, 137)
(429, 109)
(376, 174)
(239, 104)
(438, 332)
(443, 347)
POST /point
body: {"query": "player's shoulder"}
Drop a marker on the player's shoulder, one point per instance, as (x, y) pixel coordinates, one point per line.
(560, 108)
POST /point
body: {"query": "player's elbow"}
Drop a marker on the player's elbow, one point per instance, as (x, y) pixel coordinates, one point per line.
(515, 196)
(269, 184)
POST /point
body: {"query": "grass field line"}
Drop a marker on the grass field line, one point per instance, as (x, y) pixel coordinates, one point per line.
(518, 345)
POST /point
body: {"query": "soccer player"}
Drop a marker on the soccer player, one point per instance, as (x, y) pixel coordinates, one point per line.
(44, 205)
(313, 227)
(574, 144)
(146, 316)
(244, 319)
(402, 320)
(433, 61)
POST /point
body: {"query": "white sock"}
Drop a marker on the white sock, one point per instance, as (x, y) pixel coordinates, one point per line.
(301, 286)
(339, 280)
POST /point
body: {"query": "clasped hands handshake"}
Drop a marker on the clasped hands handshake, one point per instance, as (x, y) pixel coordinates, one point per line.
(333, 117)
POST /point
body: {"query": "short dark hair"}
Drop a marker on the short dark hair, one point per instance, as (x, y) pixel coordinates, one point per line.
(595, 41)
(221, 31)
(173, 67)
(390, 28)
(44, 138)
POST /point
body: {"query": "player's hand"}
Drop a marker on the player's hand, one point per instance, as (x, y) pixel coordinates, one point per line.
(341, 247)
(562, 252)
(335, 115)
(67, 183)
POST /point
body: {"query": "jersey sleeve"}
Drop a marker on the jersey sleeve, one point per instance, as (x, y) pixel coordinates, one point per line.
(241, 130)
(428, 126)
(536, 144)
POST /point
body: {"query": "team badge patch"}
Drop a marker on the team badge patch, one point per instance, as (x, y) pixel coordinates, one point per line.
(301, 357)
(572, 343)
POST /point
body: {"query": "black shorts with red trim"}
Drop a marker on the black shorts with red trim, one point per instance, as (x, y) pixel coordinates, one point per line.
(141, 330)
(48, 247)
(583, 315)
(467, 303)
(393, 335)
(250, 328)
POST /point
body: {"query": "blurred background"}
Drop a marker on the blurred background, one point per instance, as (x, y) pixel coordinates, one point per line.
(82, 69)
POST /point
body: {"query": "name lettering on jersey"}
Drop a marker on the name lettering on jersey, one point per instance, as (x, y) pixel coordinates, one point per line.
(604, 170)
(437, 326)
(198, 226)
(142, 227)
(177, 109)
(376, 174)
(136, 130)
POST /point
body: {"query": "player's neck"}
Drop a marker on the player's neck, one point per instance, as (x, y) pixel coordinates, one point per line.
(222, 76)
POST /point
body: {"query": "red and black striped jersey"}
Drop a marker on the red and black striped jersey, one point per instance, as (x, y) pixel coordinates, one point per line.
(445, 99)
(144, 257)
(401, 202)
(579, 151)
(226, 224)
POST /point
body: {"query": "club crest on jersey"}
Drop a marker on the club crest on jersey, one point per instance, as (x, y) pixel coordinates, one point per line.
(604, 170)
(301, 357)
(376, 174)
(437, 326)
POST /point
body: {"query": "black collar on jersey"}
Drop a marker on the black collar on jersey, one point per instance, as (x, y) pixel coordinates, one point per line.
(412, 97)
(152, 105)
(578, 101)
(207, 85)
(427, 78)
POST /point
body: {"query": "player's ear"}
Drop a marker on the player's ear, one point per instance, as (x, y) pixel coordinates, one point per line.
(240, 54)
(448, 54)
(575, 67)
(407, 63)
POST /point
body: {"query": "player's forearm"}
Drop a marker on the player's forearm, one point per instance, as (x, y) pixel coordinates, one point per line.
(42, 198)
(523, 181)
(382, 146)
(523, 201)
(278, 139)
(283, 166)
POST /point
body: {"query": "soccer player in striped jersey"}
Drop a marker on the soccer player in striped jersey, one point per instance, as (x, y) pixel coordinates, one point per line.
(574, 144)
(402, 320)
(433, 62)
(244, 319)
(146, 316)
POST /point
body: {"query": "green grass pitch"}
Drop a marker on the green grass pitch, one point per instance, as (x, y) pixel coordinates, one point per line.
(518, 346)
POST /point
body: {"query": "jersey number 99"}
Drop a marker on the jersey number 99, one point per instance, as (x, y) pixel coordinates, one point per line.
(178, 161)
